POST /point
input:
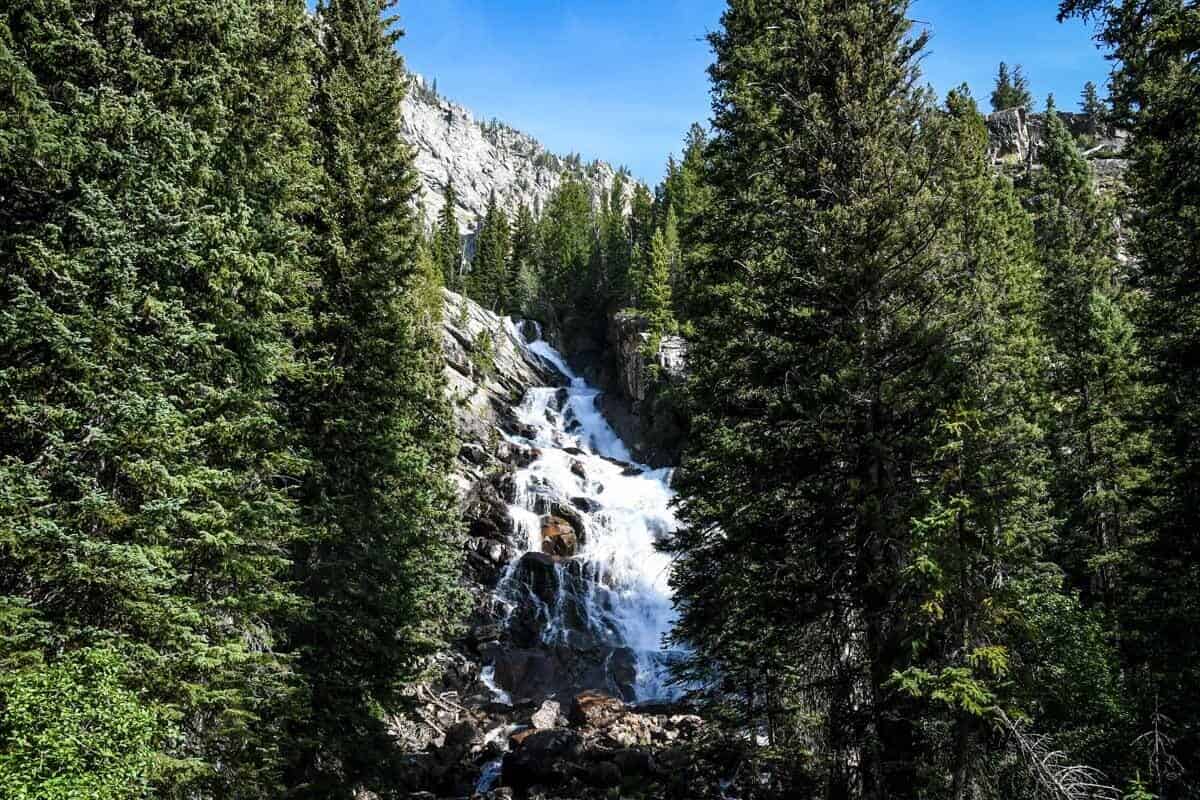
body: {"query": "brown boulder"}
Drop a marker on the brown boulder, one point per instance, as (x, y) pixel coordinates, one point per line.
(559, 538)
(593, 710)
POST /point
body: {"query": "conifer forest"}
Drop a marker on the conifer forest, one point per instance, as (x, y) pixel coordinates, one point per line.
(352, 448)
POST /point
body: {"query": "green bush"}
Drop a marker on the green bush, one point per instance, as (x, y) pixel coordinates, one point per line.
(71, 730)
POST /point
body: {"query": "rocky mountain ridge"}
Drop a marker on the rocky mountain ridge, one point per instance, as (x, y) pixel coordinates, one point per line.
(484, 156)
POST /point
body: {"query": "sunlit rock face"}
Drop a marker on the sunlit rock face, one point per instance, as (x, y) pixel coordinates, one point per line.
(450, 144)
(1015, 138)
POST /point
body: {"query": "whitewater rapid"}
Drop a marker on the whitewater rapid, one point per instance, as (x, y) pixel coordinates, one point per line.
(626, 508)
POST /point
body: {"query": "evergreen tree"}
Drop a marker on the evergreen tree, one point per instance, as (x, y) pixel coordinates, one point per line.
(378, 565)
(1156, 93)
(819, 352)
(641, 219)
(976, 573)
(567, 244)
(654, 284)
(1100, 457)
(447, 241)
(690, 204)
(154, 162)
(618, 247)
(1012, 89)
(1093, 108)
(487, 282)
(523, 264)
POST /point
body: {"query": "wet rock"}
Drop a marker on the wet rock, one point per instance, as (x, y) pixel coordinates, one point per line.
(543, 758)
(546, 717)
(526, 673)
(585, 504)
(538, 572)
(567, 511)
(578, 470)
(517, 455)
(574, 451)
(559, 538)
(488, 511)
(474, 453)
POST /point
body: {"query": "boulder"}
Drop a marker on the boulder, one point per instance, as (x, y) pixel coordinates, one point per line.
(559, 538)
(546, 717)
(570, 513)
(585, 504)
(595, 711)
(526, 673)
(543, 758)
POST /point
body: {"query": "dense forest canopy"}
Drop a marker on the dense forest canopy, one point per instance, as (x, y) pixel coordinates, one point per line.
(938, 501)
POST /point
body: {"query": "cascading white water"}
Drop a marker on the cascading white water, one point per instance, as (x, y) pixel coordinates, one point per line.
(625, 508)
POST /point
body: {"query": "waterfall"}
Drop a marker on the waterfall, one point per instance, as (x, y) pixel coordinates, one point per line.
(613, 590)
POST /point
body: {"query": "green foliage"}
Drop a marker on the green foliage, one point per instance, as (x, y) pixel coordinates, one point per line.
(488, 281)
(1155, 89)
(820, 360)
(447, 241)
(1093, 108)
(213, 319)
(377, 563)
(1011, 90)
(1096, 396)
(523, 277)
(567, 238)
(617, 245)
(483, 353)
(153, 269)
(653, 283)
(73, 730)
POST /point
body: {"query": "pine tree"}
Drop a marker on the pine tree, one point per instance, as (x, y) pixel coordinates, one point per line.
(487, 281)
(523, 264)
(618, 247)
(690, 204)
(1100, 456)
(447, 241)
(567, 245)
(976, 569)
(1012, 89)
(818, 350)
(378, 565)
(1093, 109)
(654, 284)
(1156, 93)
(152, 266)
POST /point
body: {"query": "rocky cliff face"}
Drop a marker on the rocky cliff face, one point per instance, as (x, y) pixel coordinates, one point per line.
(641, 401)
(1015, 138)
(481, 157)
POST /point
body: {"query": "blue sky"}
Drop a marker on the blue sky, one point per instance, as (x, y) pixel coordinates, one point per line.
(622, 80)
